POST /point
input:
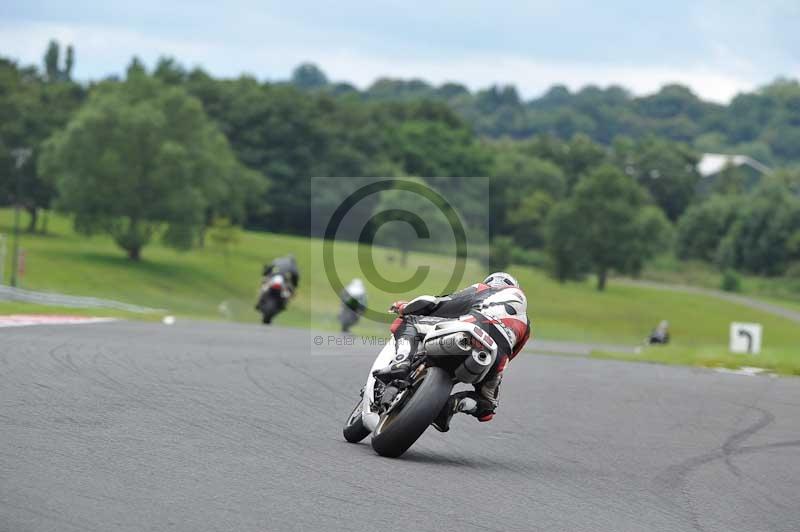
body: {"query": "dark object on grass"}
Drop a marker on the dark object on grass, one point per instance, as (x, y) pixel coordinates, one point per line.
(660, 334)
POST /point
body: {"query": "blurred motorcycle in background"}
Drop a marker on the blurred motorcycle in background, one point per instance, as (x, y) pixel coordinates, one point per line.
(275, 292)
(354, 301)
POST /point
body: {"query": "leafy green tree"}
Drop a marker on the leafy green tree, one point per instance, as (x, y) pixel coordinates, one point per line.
(576, 157)
(31, 108)
(612, 228)
(169, 71)
(308, 76)
(138, 160)
(762, 237)
(52, 63)
(399, 90)
(291, 136)
(787, 177)
(666, 169)
(51, 58)
(568, 259)
(654, 235)
(69, 63)
(524, 189)
(703, 226)
(731, 181)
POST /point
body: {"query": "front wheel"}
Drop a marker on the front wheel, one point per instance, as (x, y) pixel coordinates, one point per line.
(269, 308)
(398, 430)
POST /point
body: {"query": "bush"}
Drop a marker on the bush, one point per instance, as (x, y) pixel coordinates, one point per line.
(731, 282)
(529, 257)
(793, 271)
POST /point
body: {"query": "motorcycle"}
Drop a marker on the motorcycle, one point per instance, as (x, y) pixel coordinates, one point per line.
(348, 317)
(274, 294)
(397, 412)
(354, 301)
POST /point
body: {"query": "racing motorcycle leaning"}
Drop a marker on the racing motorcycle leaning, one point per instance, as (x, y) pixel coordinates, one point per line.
(275, 292)
(397, 412)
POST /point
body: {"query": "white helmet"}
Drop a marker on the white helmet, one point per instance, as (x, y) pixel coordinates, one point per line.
(501, 280)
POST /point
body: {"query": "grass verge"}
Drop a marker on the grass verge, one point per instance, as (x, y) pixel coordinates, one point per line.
(214, 283)
(781, 360)
(18, 307)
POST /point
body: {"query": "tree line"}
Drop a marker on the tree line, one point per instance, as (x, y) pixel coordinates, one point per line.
(169, 152)
(764, 124)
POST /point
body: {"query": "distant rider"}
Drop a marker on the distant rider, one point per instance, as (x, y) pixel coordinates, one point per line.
(286, 266)
(354, 301)
(498, 306)
(660, 334)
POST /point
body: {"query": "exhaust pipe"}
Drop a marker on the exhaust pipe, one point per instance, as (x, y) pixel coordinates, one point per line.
(474, 367)
(452, 344)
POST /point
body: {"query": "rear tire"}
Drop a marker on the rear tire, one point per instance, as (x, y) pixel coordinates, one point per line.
(354, 430)
(393, 437)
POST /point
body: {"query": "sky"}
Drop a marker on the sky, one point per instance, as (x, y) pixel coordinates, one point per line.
(716, 47)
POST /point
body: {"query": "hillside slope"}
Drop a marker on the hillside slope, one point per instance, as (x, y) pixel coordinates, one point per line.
(209, 283)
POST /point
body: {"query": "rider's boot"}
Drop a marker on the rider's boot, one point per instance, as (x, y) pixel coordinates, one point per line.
(458, 402)
(400, 366)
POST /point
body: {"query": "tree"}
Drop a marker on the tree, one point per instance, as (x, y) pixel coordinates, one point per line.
(138, 160)
(666, 169)
(568, 259)
(524, 189)
(762, 238)
(69, 63)
(31, 109)
(51, 57)
(575, 157)
(52, 63)
(605, 226)
(703, 226)
(308, 76)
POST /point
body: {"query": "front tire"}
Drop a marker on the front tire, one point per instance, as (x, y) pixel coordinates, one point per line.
(397, 432)
(354, 430)
(269, 308)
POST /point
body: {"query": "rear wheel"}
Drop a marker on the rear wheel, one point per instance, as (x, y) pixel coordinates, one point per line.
(354, 430)
(399, 429)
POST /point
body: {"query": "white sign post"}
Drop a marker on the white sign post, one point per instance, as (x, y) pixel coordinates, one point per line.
(746, 338)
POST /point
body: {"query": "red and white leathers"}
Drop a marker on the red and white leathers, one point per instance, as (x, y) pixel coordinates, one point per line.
(499, 310)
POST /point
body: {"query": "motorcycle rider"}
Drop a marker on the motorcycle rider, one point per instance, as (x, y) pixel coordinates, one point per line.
(498, 306)
(354, 301)
(287, 266)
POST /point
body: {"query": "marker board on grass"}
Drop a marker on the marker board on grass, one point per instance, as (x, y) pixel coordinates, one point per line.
(746, 338)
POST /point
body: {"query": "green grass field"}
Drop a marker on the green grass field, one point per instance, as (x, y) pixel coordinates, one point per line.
(782, 360)
(208, 283)
(668, 269)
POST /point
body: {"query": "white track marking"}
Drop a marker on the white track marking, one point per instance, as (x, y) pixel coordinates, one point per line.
(747, 371)
(25, 320)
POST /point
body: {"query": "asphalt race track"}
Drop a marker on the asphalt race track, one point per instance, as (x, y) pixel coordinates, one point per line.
(199, 426)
